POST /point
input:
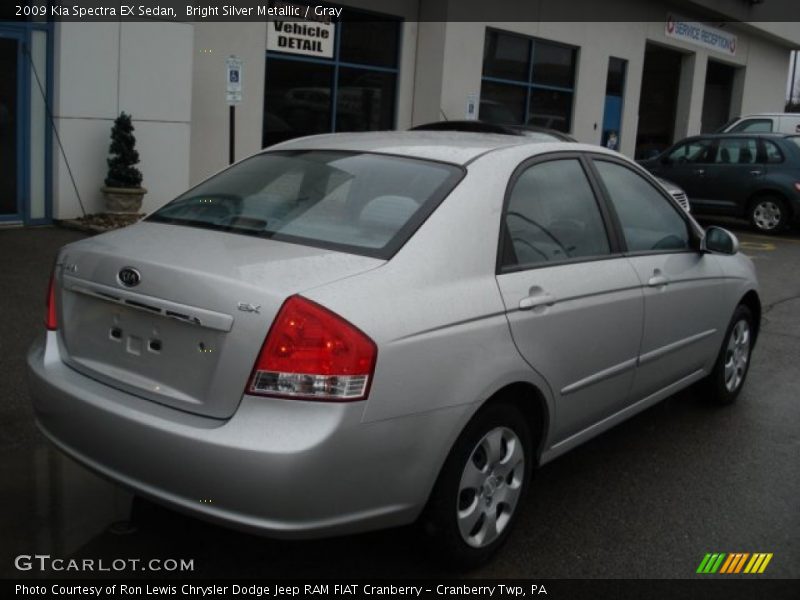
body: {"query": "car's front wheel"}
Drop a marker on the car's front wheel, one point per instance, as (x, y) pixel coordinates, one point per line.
(768, 214)
(479, 492)
(725, 382)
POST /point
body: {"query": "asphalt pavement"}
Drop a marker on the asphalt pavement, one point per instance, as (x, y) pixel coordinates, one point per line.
(647, 499)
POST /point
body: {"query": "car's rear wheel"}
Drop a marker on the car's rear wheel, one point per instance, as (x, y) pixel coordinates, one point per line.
(479, 492)
(768, 214)
(725, 382)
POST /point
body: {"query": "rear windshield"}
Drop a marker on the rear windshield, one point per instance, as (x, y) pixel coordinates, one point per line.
(362, 203)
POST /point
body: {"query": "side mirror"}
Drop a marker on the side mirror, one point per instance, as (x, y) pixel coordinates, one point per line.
(722, 241)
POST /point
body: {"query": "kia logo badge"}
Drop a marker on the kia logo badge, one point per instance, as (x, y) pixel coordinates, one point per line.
(129, 277)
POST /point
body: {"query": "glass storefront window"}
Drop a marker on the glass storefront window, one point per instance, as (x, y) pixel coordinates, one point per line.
(365, 100)
(527, 81)
(297, 100)
(506, 56)
(551, 109)
(369, 42)
(553, 64)
(502, 103)
(9, 126)
(354, 90)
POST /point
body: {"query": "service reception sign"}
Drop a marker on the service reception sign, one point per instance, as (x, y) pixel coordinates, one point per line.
(700, 34)
(310, 35)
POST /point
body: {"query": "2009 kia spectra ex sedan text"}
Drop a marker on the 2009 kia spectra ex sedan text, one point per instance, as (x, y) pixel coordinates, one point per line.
(352, 331)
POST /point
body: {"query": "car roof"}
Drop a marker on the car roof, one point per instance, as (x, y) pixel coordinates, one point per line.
(477, 126)
(445, 146)
(769, 114)
(733, 134)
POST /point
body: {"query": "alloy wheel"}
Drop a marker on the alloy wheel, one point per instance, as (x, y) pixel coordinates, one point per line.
(767, 215)
(490, 487)
(737, 355)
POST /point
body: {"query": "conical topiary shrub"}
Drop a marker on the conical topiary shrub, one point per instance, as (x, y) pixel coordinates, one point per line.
(123, 189)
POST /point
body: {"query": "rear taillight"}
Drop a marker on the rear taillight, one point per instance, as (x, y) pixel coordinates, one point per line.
(50, 319)
(314, 354)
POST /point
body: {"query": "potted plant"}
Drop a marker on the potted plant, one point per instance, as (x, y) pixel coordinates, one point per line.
(123, 189)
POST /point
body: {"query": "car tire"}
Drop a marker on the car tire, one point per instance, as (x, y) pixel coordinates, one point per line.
(481, 488)
(768, 214)
(723, 385)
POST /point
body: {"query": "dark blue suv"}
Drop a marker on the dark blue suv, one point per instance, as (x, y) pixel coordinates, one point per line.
(756, 176)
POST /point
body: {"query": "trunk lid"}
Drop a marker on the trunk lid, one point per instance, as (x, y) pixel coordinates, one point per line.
(188, 333)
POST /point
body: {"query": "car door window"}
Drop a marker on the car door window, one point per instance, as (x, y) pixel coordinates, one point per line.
(736, 151)
(772, 154)
(649, 220)
(553, 216)
(753, 126)
(696, 151)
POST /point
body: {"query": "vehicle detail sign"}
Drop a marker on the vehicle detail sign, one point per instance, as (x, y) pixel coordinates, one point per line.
(310, 35)
(700, 34)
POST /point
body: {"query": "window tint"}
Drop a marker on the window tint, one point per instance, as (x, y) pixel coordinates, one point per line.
(551, 109)
(366, 40)
(552, 215)
(753, 126)
(365, 100)
(696, 151)
(505, 56)
(649, 221)
(297, 100)
(527, 81)
(772, 154)
(553, 64)
(737, 151)
(502, 103)
(354, 202)
(615, 81)
(352, 90)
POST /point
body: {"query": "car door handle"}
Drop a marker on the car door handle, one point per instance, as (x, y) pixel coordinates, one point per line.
(657, 280)
(756, 172)
(534, 300)
(699, 171)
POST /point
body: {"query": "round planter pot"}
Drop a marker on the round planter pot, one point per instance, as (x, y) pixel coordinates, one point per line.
(124, 200)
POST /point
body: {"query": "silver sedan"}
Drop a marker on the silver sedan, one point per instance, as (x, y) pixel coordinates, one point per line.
(357, 331)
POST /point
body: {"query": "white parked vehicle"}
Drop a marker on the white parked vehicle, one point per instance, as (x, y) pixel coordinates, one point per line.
(764, 123)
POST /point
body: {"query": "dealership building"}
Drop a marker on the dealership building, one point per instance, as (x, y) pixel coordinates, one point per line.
(665, 71)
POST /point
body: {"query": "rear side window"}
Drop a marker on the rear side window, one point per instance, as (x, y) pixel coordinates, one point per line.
(772, 154)
(649, 221)
(737, 151)
(553, 216)
(361, 203)
(753, 126)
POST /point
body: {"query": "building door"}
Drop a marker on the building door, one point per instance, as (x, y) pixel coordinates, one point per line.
(10, 126)
(658, 100)
(717, 96)
(615, 91)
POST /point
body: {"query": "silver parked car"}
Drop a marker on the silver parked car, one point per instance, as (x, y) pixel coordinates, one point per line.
(355, 331)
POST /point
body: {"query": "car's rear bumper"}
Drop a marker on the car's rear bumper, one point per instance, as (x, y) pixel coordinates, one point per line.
(278, 467)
